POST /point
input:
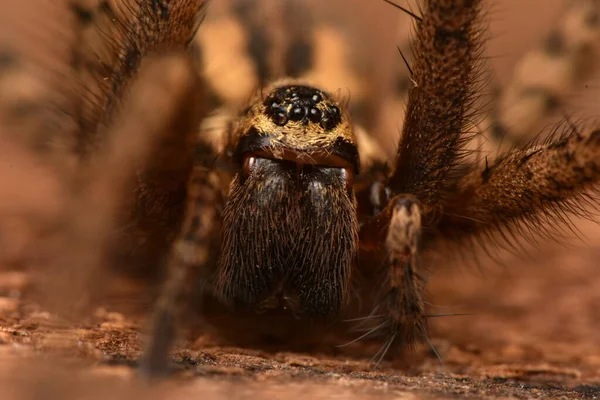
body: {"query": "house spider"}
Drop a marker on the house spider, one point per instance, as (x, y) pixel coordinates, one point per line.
(288, 206)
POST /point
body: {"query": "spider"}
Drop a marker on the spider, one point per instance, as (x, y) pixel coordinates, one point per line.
(286, 210)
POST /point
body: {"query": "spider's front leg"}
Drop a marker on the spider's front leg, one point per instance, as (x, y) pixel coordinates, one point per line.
(398, 227)
(189, 258)
(444, 73)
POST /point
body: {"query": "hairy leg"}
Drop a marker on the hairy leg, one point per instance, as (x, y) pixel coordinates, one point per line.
(117, 99)
(186, 267)
(524, 189)
(401, 303)
(447, 48)
(97, 190)
(126, 35)
(113, 40)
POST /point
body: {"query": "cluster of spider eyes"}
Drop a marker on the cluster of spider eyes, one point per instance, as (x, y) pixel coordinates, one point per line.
(303, 109)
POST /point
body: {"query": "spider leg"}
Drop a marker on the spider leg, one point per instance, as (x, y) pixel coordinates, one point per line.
(112, 41)
(398, 227)
(187, 262)
(445, 73)
(83, 227)
(526, 188)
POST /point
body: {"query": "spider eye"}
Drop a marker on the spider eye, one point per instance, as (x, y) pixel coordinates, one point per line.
(302, 103)
(298, 113)
(280, 118)
(327, 123)
(315, 114)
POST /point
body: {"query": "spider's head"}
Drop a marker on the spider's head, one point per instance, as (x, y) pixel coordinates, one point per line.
(290, 228)
(297, 123)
